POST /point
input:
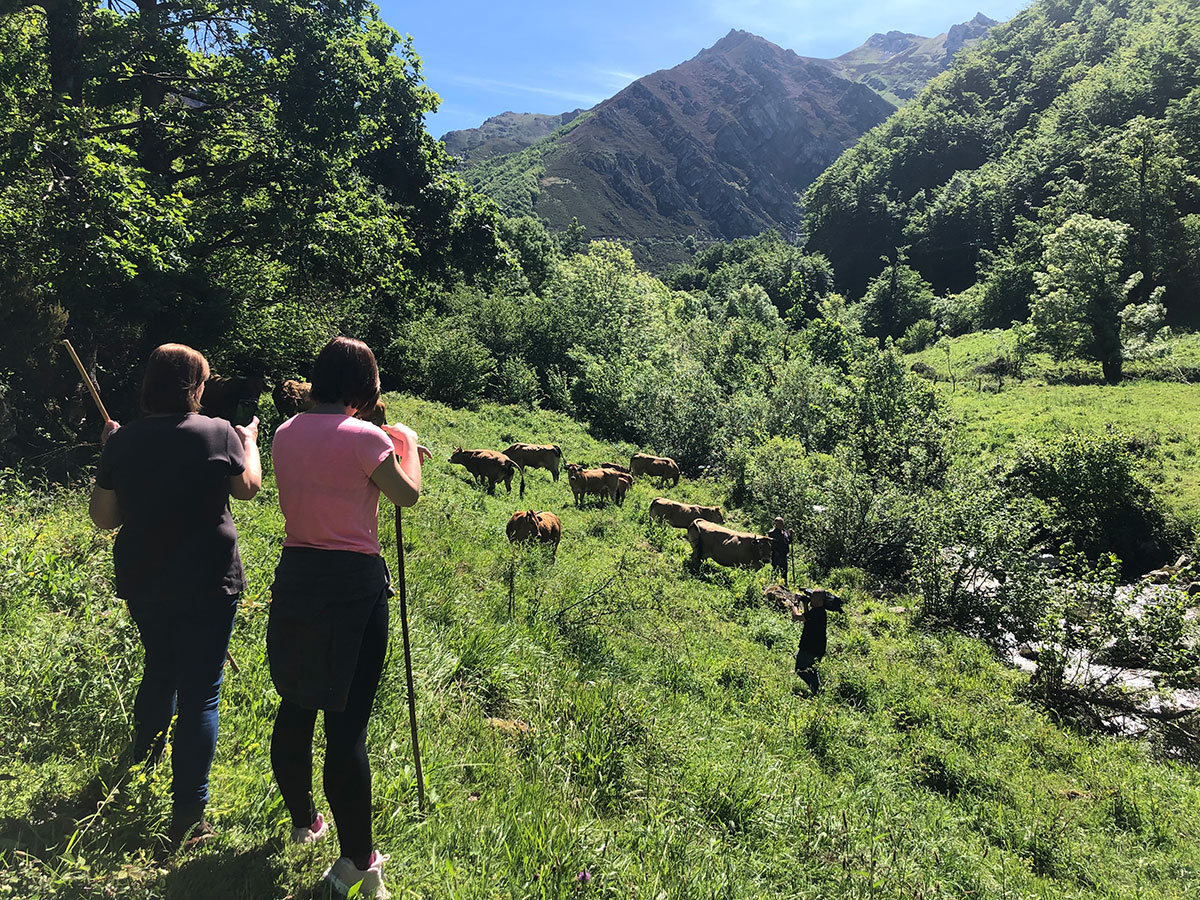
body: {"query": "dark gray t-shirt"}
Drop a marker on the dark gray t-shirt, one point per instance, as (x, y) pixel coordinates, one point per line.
(171, 475)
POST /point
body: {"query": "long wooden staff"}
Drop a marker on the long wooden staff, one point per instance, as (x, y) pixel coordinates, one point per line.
(87, 379)
(408, 676)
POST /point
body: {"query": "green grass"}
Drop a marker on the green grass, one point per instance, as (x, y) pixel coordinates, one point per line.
(672, 754)
(1154, 406)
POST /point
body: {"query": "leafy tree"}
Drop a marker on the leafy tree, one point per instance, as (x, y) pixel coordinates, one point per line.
(536, 250)
(190, 171)
(1084, 290)
(895, 299)
(1138, 176)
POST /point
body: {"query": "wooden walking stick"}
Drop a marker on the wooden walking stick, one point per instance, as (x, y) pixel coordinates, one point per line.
(408, 676)
(87, 379)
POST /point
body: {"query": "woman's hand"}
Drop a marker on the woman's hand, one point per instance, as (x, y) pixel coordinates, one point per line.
(248, 433)
(109, 429)
(401, 482)
(247, 484)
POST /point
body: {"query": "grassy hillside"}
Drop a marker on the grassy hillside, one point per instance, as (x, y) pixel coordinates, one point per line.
(671, 751)
(1156, 406)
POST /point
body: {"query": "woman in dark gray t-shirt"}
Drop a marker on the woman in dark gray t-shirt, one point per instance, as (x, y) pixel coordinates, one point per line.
(165, 481)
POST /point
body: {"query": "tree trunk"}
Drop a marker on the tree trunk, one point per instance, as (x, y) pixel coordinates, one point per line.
(152, 147)
(63, 20)
(1112, 367)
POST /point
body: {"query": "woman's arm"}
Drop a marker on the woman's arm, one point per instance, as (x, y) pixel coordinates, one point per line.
(103, 508)
(399, 476)
(246, 485)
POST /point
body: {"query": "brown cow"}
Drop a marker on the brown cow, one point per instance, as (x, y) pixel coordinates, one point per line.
(536, 456)
(527, 525)
(615, 467)
(376, 415)
(590, 481)
(293, 397)
(681, 515)
(619, 485)
(489, 466)
(662, 466)
(725, 547)
(223, 397)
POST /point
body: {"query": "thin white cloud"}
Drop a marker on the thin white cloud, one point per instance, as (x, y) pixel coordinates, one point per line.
(503, 87)
(617, 77)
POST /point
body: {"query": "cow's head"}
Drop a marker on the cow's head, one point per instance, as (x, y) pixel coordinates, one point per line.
(718, 516)
(764, 546)
(457, 456)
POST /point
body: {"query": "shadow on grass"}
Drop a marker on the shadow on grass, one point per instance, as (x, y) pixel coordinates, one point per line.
(230, 874)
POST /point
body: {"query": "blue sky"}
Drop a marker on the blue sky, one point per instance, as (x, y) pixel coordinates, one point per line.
(483, 58)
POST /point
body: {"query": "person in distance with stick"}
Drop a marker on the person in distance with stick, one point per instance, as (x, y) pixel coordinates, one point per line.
(165, 480)
(328, 627)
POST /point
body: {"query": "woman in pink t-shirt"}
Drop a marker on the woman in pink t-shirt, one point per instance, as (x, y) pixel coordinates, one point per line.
(327, 634)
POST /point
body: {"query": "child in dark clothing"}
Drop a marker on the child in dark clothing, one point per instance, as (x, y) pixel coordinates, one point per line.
(814, 639)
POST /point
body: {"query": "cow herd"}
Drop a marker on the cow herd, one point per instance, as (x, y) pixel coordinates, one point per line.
(706, 534)
(607, 481)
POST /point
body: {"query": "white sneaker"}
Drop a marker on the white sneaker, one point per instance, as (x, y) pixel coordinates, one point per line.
(312, 833)
(343, 876)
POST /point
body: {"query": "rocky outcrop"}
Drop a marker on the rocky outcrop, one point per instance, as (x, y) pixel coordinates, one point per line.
(508, 132)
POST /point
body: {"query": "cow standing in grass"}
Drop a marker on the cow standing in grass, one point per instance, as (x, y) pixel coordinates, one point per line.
(681, 515)
(489, 467)
(663, 467)
(726, 547)
(536, 456)
(590, 481)
(292, 397)
(527, 525)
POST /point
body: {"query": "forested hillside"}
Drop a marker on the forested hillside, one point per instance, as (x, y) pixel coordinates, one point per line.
(1073, 108)
(245, 177)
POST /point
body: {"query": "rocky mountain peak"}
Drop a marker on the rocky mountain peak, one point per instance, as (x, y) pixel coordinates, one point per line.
(960, 34)
(892, 42)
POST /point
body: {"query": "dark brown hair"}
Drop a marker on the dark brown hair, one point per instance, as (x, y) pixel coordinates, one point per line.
(174, 374)
(345, 372)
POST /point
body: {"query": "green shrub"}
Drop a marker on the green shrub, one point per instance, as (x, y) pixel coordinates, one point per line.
(974, 552)
(1100, 501)
(919, 335)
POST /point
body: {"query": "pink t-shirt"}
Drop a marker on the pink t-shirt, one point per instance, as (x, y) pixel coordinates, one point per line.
(323, 465)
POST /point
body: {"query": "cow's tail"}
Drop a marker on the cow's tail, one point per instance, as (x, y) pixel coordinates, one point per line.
(521, 469)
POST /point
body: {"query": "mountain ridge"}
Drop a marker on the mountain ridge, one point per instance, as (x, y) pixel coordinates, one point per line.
(718, 146)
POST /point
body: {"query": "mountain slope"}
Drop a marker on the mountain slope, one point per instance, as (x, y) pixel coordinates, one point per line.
(505, 133)
(718, 145)
(1072, 106)
(899, 65)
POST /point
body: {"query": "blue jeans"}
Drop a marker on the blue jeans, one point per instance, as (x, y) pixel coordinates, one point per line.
(185, 646)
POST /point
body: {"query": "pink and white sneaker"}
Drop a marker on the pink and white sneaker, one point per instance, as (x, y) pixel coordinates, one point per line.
(312, 833)
(343, 876)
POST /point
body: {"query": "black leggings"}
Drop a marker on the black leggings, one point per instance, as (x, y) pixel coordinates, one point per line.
(347, 776)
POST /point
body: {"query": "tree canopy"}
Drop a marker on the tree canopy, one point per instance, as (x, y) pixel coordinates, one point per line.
(249, 177)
